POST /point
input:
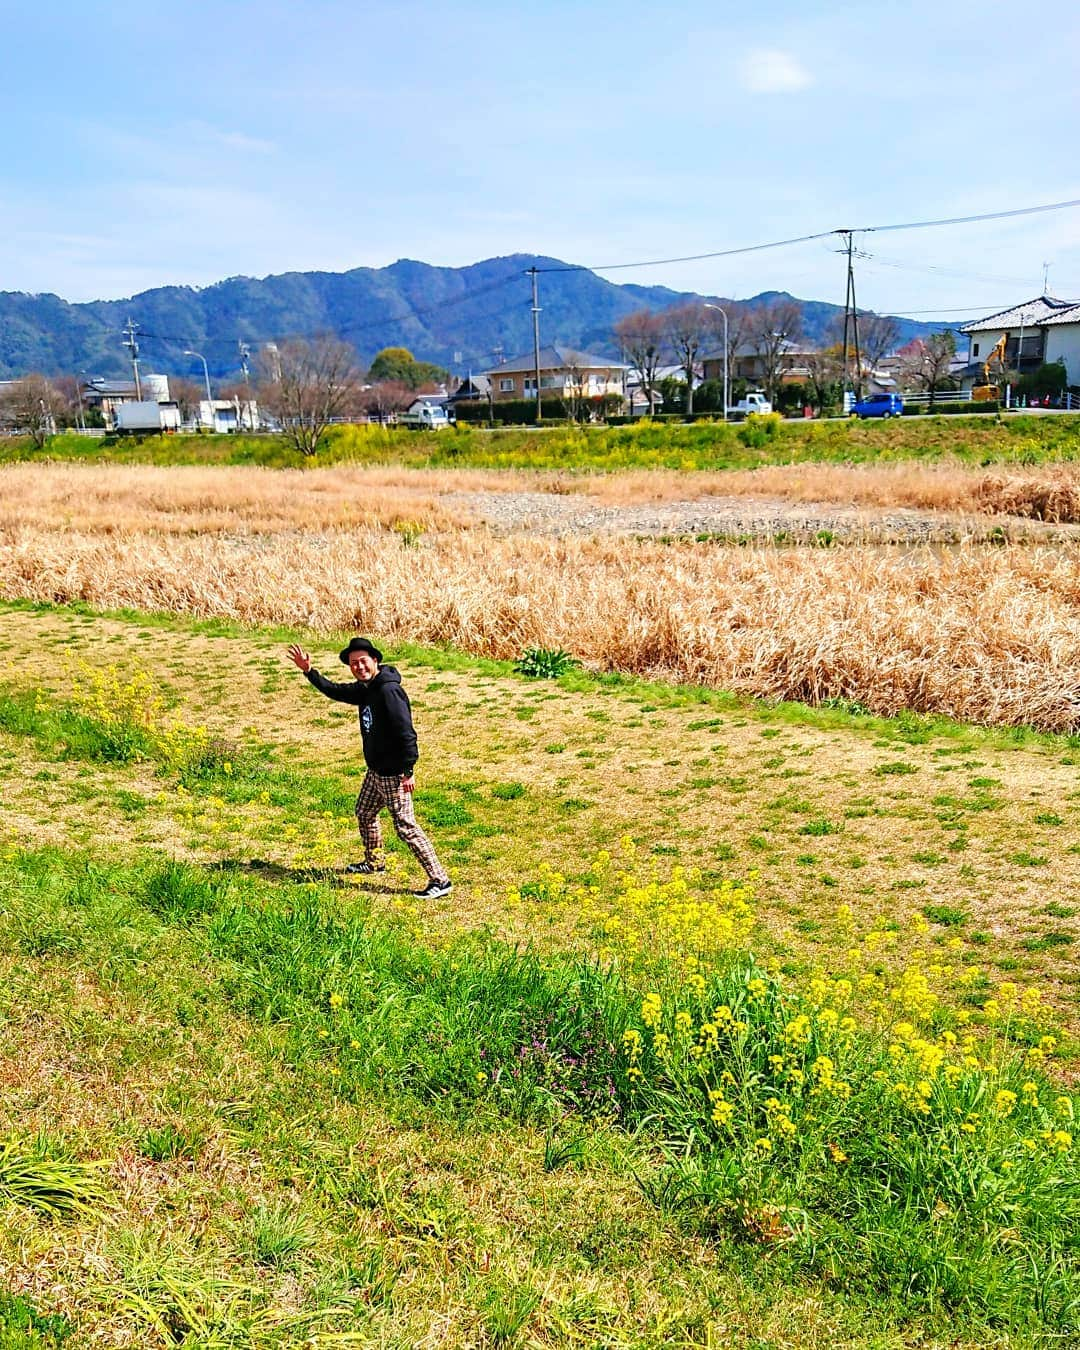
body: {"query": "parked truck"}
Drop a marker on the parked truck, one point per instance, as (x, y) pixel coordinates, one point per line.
(147, 416)
(422, 416)
(752, 403)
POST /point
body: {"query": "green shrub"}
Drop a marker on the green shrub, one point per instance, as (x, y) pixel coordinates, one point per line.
(950, 409)
(22, 1327)
(545, 663)
(760, 429)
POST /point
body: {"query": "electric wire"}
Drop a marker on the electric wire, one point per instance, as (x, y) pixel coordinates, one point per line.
(824, 234)
(510, 279)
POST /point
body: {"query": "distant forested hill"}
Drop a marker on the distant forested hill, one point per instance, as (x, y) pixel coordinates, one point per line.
(458, 317)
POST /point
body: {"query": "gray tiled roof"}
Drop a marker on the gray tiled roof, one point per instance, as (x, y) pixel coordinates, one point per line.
(1070, 315)
(1030, 314)
(554, 358)
(109, 388)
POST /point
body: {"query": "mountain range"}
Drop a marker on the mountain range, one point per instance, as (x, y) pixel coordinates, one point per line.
(461, 318)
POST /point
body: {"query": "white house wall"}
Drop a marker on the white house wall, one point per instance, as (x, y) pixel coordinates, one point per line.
(1063, 344)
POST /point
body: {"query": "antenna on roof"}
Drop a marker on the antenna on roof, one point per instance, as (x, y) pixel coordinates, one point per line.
(1046, 274)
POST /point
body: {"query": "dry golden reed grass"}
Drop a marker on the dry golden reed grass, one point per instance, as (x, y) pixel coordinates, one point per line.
(183, 499)
(983, 635)
(216, 499)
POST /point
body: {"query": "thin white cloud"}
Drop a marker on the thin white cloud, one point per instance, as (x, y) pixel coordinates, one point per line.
(767, 70)
(240, 140)
(231, 139)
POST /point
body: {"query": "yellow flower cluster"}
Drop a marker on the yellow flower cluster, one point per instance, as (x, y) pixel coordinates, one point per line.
(779, 1117)
(826, 1083)
(722, 1109)
(641, 914)
(120, 699)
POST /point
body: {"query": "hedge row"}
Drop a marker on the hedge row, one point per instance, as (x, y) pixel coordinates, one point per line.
(914, 409)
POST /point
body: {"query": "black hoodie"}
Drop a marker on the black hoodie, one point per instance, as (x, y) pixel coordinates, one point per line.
(385, 718)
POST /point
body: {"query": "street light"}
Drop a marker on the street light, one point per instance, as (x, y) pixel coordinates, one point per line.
(206, 373)
(723, 313)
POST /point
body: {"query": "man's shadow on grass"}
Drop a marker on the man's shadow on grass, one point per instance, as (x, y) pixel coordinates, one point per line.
(335, 877)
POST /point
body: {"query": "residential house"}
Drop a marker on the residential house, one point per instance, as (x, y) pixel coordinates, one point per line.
(1041, 330)
(563, 372)
(748, 364)
(107, 395)
(474, 388)
(226, 415)
(637, 398)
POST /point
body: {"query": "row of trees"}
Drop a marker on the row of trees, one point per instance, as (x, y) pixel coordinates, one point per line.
(304, 385)
(651, 340)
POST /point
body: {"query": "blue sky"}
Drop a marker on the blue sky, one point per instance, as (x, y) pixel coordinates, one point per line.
(152, 144)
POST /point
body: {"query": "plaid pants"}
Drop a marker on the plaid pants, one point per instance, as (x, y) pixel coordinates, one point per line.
(377, 791)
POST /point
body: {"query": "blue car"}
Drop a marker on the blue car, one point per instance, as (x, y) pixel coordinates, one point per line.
(879, 405)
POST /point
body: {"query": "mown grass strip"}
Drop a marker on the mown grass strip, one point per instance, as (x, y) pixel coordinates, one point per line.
(906, 727)
(881, 1154)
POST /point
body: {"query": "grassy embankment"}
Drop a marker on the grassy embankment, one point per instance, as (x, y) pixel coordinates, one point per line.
(704, 445)
(252, 1102)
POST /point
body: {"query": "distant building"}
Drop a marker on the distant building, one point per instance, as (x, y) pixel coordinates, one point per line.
(637, 397)
(563, 372)
(1041, 330)
(226, 415)
(107, 395)
(471, 389)
(748, 364)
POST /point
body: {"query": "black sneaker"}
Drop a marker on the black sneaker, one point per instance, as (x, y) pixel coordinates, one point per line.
(366, 869)
(434, 890)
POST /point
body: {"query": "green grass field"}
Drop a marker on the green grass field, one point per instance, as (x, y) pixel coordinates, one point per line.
(1011, 439)
(744, 1025)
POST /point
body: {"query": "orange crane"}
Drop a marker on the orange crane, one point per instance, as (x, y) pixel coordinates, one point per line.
(982, 392)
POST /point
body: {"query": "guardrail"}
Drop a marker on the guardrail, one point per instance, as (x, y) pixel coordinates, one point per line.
(941, 396)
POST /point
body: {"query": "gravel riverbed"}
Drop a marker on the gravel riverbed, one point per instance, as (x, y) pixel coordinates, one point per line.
(758, 518)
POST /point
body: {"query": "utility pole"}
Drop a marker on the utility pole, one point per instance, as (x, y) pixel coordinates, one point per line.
(78, 395)
(536, 342)
(245, 357)
(851, 317)
(133, 348)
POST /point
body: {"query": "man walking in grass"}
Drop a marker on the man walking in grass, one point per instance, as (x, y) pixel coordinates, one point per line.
(390, 754)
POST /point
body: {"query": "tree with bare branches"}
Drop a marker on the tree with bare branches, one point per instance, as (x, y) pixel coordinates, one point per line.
(306, 384)
(772, 327)
(878, 335)
(34, 406)
(386, 397)
(825, 374)
(687, 328)
(737, 331)
(188, 397)
(641, 338)
(925, 362)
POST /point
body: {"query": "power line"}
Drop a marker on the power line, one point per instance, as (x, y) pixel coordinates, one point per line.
(969, 220)
(844, 233)
(825, 234)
